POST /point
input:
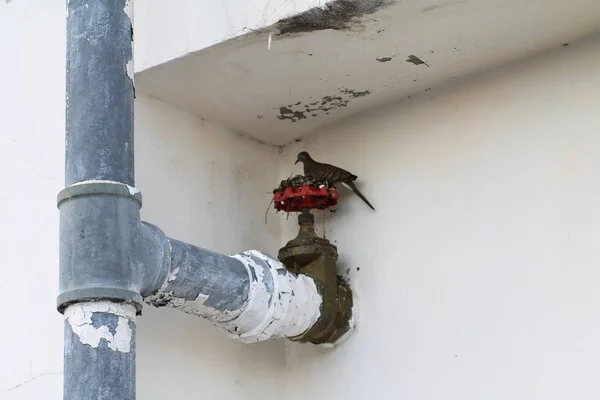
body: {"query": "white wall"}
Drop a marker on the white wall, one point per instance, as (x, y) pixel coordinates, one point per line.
(32, 87)
(479, 270)
(478, 274)
(202, 183)
(209, 187)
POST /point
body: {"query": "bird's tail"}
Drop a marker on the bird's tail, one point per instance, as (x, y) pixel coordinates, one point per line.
(352, 186)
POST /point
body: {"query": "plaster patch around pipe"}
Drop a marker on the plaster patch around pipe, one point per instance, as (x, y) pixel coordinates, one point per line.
(345, 336)
(79, 316)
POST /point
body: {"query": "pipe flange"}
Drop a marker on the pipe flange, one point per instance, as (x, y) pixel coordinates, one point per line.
(91, 188)
(115, 294)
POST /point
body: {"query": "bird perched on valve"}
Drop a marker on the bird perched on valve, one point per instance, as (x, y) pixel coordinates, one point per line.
(329, 173)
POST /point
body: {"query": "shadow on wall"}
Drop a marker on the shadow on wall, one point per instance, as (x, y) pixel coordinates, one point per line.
(181, 355)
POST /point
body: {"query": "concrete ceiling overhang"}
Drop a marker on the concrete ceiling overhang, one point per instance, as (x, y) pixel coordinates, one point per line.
(323, 65)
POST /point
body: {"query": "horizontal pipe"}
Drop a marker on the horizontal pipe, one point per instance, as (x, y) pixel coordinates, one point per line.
(250, 295)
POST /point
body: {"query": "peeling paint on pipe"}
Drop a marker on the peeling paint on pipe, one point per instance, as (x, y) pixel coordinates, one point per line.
(100, 228)
(80, 318)
(99, 102)
(100, 351)
(280, 304)
(250, 295)
(109, 259)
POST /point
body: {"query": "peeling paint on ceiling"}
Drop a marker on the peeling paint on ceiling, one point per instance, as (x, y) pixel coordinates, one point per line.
(329, 63)
(323, 106)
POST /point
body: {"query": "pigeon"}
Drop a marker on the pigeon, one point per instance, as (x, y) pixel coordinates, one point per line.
(329, 173)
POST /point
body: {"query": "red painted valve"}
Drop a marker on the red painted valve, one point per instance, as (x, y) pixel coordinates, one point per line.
(300, 193)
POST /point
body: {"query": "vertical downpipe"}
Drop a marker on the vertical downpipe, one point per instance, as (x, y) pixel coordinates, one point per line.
(99, 346)
(99, 342)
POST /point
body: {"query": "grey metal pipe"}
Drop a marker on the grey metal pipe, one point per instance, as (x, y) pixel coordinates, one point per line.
(192, 270)
(99, 209)
(250, 295)
(100, 351)
(110, 261)
(100, 92)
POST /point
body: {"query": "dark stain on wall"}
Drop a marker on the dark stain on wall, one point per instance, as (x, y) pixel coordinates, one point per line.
(338, 15)
(288, 113)
(323, 106)
(353, 93)
(438, 6)
(415, 60)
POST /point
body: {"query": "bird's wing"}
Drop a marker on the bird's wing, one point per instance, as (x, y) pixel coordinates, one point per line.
(327, 172)
(340, 175)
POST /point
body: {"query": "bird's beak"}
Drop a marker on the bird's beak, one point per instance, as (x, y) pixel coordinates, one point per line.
(297, 160)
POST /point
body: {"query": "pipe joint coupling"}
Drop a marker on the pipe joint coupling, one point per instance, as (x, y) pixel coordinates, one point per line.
(100, 240)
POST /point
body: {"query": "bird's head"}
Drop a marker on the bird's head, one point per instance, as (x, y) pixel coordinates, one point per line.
(302, 156)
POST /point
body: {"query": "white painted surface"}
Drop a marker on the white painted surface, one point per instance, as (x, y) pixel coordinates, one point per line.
(208, 186)
(289, 309)
(165, 31)
(204, 184)
(32, 86)
(482, 256)
(79, 317)
(245, 85)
